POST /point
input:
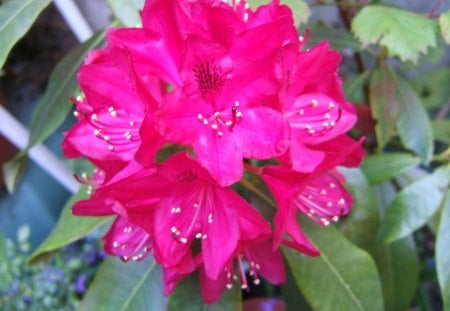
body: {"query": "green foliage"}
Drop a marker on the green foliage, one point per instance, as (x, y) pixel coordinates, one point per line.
(13, 171)
(398, 110)
(403, 33)
(414, 205)
(383, 167)
(444, 23)
(123, 286)
(186, 296)
(442, 257)
(344, 272)
(16, 17)
(69, 227)
(369, 260)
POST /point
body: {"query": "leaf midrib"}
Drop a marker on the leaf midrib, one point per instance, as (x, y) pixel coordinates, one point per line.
(341, 280)
(12, 17)
(139, 284)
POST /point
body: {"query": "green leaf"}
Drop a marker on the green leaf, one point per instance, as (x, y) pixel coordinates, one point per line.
(127, 11)
(399, 272)
(16, 17)
(338, 38)
(69, 228)
(444, 23)
(437, 92)
(354, 87)
(441, 130)
(187, 297)
(13, 171)
(54, 105)
(403, 33)
(382, 167)
(361, 225)
(397, 262)
(442, 257)
(384, 104)
(299, 7)
(343, 278)
(414, 205)
(291, 294)
(413, 125)
(132, 286)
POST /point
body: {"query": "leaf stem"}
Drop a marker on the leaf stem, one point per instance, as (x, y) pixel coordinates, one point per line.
(251, 187)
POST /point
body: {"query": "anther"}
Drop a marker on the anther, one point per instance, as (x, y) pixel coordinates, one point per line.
(220, 133)
(183, 240)
(314, 103)
(111, 148)
(198, 235)
(200, 117)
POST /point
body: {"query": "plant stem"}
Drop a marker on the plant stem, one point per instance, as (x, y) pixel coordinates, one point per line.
(251, 187)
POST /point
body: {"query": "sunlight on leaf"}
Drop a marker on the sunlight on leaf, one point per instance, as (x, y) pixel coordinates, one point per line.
(403, 33)
(414, 205)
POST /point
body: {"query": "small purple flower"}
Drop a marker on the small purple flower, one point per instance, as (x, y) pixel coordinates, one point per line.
(80, 284)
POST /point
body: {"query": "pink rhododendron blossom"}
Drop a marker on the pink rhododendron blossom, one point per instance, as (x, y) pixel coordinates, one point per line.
(313, 102)
(257, 256)
(320, 196)
(174, 113)
(111, 113)
(192, 206)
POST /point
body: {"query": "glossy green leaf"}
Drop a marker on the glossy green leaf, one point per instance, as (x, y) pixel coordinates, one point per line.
(54, 105)
(187, 297)
(399, 272)
(403, 33)
(343, 278)
(442, 256)
(441, 130)
(338, 38)
(13, 171)
(127, 11)
(414, 205)
(384, 104)
(69, 228)
(444, 24)
(362, 224)
(16, 17)
(382, 167)
(354, 88)
(132, 286)
(299, 8)
(414, 127)
(397, 262)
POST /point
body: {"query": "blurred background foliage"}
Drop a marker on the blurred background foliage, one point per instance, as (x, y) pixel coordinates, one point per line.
(390, 253)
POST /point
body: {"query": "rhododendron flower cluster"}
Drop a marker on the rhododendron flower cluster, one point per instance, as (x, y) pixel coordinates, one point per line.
(174, 112)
